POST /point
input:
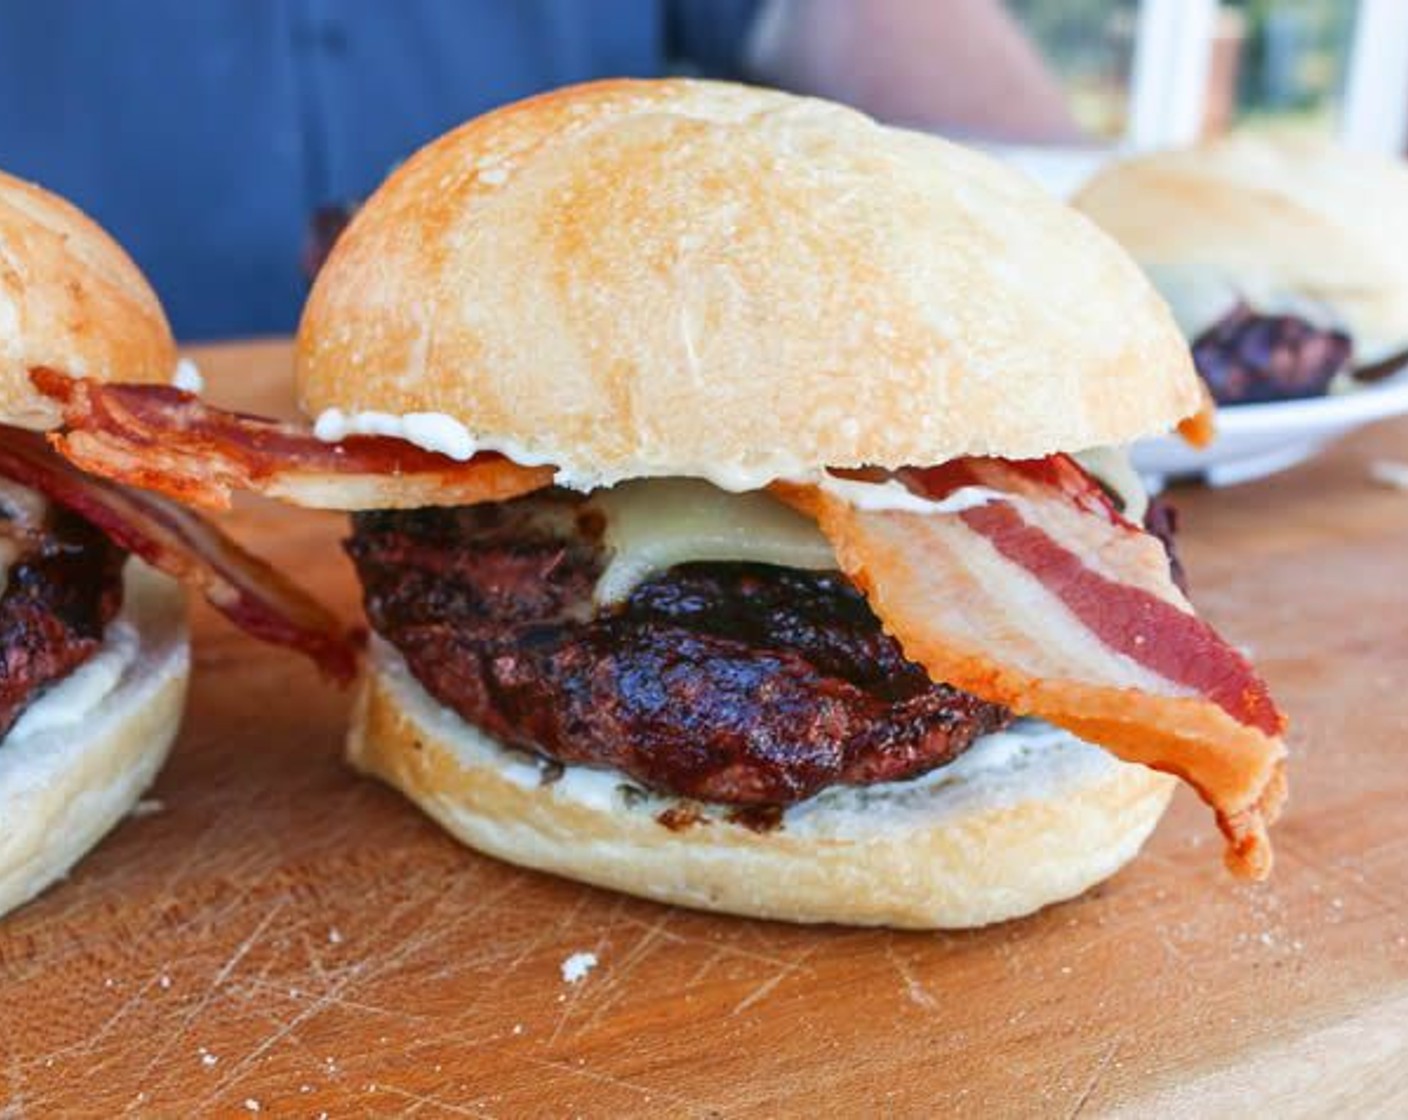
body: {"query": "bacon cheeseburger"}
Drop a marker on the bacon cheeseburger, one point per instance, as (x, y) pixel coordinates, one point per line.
(93, 653)
(742, 561)
(1282, 258)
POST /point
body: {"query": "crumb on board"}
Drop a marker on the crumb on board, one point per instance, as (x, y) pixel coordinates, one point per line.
(251, 1105)
(148, 807)
(576, 967)
(1387, 472)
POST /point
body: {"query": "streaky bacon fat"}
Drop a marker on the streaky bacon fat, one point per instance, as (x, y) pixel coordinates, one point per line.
(1046, 600)
(163, 439)
(180, 543)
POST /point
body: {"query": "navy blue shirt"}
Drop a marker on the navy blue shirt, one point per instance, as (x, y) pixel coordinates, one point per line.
(203, 133)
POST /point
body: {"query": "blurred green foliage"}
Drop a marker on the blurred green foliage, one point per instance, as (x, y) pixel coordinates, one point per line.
(1291, 59)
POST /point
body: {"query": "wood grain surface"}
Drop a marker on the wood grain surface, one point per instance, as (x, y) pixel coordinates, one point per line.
(276, 935)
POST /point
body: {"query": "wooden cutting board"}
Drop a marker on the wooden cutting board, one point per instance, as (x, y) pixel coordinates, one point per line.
(276, 935)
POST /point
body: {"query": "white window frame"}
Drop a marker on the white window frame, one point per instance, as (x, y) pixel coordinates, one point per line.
(1374, 114)
(1173, 49)
(1169, 72)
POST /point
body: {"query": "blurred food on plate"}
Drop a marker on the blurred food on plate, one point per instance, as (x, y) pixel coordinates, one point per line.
(324, 228)
(1281, 257)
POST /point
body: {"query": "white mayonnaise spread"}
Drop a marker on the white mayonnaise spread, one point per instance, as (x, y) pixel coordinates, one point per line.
(71, 700)
(442, 433)
(984, 770)
(432, 431)
(739, 479)
(893, 496)
(188, 377)
(991, 758)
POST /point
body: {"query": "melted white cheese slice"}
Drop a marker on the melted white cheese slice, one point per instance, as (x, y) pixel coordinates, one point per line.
(21, 511)
(1111, 465)
(655, 524)
(9, 553)
(1200, 296)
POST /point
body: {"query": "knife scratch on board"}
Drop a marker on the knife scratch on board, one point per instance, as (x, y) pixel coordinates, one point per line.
(1096, 1075)
(611, 989)
(13, 1107)
(914, 991)
(420, 1100)
(763, 990)
(647, 1091)
(285, 1028)
(89, 1046)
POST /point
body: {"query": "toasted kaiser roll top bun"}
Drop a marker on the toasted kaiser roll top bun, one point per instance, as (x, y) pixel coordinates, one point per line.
(1277, 220)
(72, 771)
(630, 279)
(1007, 829)
(72, 300)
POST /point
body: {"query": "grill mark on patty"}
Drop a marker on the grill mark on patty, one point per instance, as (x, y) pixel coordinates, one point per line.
(63, 590)
(731, 682)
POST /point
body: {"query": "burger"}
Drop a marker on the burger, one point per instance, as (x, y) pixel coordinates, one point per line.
(94, 657)
(739, 512)
(1280, 256)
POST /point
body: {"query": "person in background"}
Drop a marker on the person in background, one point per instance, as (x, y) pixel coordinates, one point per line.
(204, 133)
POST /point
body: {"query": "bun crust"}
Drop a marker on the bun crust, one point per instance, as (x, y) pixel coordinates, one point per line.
(965, 847)
(62, 790)
(71, 299)
(1273, 215)
(702, 279)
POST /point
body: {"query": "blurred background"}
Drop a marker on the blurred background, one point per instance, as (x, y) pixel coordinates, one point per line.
(1278, 63)
(1147, 74)
(221, 140)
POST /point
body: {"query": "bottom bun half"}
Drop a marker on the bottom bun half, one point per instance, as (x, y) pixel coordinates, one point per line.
(1022, 820)
(82, 755)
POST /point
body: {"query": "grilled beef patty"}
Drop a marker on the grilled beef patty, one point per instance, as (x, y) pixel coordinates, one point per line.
(1247, 357)
(62, 591)
(739, 683)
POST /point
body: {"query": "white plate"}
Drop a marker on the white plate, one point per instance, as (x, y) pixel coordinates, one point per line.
(1254, 440)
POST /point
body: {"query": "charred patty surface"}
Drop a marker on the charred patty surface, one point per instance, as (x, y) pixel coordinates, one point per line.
(64, 587)
(1250, 358)
(731, 682)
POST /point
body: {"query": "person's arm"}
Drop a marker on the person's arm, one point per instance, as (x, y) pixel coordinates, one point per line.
(960, 66)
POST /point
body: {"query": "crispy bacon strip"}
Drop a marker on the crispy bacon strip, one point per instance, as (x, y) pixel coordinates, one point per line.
(172, 442)
(1048, 601)
(180, 543)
